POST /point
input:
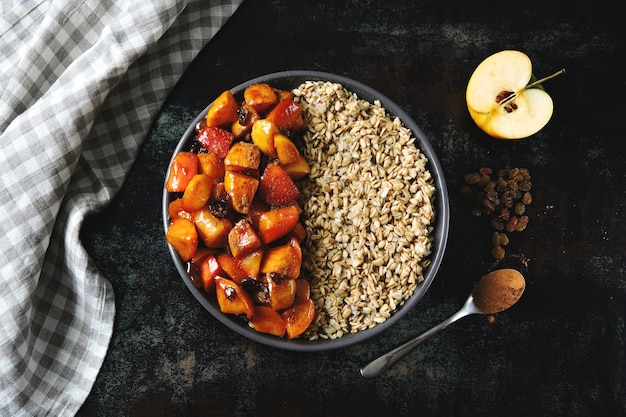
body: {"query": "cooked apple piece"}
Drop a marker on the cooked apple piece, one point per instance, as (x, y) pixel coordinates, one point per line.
(242, 239)
(211, 165)
(303, 289)
(209, 269)
(266, 320)
(176, 210)
(276, 187)
(183, 236)
(183, 168)
(251, 263)
(197, 192)
(212, 230)
(243, 156)
(287, 116)
(241, 189)
(232, 267)
(278, 222)
(246, 116)
(299, 169)
(282, 261)
(260, 97)
(286, 150)
(262, 134)
(281, 292)
(215, 140)
(232, 299)
(298, 317)
(223, 111)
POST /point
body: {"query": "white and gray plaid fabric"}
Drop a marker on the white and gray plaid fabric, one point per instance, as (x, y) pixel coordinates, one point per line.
(80, 84)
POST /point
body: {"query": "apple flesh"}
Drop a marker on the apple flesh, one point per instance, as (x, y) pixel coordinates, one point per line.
(500, 101)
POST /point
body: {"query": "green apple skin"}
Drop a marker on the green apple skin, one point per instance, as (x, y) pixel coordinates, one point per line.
(511, 71)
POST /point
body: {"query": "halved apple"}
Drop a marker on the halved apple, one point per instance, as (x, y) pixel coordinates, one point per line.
(501, 101)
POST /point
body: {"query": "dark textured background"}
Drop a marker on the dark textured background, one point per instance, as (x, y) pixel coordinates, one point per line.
(560, 352)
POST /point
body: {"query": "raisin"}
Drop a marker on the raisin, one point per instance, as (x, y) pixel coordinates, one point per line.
(498, 252)
(472, 178)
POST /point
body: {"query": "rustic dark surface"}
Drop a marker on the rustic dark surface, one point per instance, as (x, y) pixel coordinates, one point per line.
(560, 352)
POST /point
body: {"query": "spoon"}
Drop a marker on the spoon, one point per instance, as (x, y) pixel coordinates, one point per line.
(494, 293)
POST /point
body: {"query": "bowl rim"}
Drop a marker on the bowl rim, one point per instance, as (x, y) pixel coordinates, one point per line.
(439, 234)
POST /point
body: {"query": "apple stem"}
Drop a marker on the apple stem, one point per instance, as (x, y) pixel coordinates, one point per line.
(549, 77)
(531, 85)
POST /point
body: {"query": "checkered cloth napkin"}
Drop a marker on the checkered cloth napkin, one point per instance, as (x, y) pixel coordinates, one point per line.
(80, 84)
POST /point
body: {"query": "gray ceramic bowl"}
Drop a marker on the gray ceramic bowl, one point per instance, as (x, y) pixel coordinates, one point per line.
(288, 80)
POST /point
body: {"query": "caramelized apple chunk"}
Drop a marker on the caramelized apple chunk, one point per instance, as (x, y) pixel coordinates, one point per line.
(298, 317)
(223, 111)
(266, 320)
(243, 156)
(287, 116)
(197, 193)
(286, 151)
(183, 237)
(281, 261)
(232, 299)
(183, 168)
(241, 189)
(211, 165)
(263, 132)
(212, 230)
(260, 97)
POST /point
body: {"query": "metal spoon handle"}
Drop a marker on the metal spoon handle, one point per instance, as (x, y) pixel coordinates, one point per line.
(384, 362)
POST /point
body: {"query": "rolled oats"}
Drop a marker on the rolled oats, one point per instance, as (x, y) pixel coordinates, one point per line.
(368, 206)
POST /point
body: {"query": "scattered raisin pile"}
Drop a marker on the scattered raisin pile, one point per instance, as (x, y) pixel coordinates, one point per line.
(503, 198)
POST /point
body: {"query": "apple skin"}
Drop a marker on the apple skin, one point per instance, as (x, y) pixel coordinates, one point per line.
(507, 70)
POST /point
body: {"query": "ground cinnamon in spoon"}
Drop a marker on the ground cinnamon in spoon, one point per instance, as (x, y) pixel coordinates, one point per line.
(498, 290)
